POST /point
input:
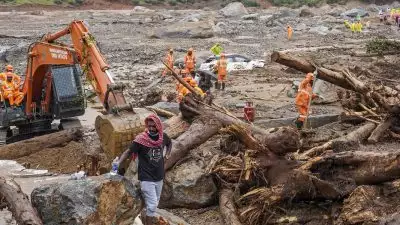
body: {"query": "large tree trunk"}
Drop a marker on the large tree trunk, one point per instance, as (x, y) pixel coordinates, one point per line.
(348, 141)
(199, 132)
(30, 146)
(306, 67)
(227, 207)
(18, 203)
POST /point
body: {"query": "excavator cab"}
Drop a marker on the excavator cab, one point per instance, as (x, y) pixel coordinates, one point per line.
(68, 98)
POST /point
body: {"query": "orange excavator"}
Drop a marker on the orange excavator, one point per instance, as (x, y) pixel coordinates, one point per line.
(53, 90)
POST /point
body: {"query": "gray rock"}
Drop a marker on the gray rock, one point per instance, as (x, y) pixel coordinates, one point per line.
(320, 30)
(192, 18)
(234, 9)
(142, 9)
(188, 186)
(99, 200)
(352, 13)
(266, 17)
(219, 27)
(288, 13)
(171, 218)
(306, 13)
(253, 16)
(169, 106)
(373, 8)
(300, 27)
(395, 4)
(185, 30)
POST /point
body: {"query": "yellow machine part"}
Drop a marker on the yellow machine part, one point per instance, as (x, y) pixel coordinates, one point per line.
(116, 132)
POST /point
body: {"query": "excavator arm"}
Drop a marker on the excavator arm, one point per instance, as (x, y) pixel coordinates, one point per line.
(93, 64)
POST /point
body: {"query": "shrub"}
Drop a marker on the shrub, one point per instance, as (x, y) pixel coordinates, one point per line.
(172, 2)
(58, 2)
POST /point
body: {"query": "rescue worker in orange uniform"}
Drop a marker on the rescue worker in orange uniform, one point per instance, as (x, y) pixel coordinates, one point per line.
(221, 67)
(3, 77)
(169, 59)
(289, 32)
(303, 99)
(10, 89)
(190, 61)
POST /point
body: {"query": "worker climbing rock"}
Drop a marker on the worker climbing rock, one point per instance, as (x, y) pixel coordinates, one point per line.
(303, 98)
(289, 32)
(148, 147)
(190, 61)
(10, 89)
(169, 59)
(221, 67)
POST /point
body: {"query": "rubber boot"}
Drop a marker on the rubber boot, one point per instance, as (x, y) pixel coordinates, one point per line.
(223, 86)
(143, 217)
(299, 124)
(150, 220)
(216, 85)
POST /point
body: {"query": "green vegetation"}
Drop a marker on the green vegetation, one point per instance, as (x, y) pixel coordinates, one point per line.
(297, 3)
(43, 2)
(250, 3)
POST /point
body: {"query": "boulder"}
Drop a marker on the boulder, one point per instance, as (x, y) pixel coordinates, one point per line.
(322, 30)
(306, 13)
(99, 200)
(352, 13)
(200, 29)
(234, 9)
(266, 17)
(196, 17)
(188, 186)
(142, 9)
(253, 16)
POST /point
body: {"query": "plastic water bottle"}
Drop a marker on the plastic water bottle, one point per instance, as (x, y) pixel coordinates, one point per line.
(114, 166)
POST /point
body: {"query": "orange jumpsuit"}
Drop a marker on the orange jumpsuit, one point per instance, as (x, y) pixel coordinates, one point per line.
(190, 62)
(222, 72)
(169, 59)
(303, 97)
(12, 93)
(289, 32)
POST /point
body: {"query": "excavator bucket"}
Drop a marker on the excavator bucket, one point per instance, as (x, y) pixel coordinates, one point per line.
(116, 132)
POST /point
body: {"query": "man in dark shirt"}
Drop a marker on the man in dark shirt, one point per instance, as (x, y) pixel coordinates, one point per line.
(148, 147)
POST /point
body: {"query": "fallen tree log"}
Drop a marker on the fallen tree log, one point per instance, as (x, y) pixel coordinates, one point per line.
(362, 168)
(306, 67)
(380, 129)
(199, 132)
(18, 203)
(30, 146)
(175, 126)
(348, 141)
(227, 207)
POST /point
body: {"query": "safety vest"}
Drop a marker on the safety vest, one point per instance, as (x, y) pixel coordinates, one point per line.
(222, 65)
(189, 61)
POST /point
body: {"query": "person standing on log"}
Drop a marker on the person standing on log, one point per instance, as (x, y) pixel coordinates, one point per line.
(148, 147)
(303, 99)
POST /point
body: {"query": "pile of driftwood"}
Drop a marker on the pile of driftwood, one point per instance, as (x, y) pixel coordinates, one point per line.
(270, 177)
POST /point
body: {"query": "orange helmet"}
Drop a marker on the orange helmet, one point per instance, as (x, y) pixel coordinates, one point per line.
(9, 68)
